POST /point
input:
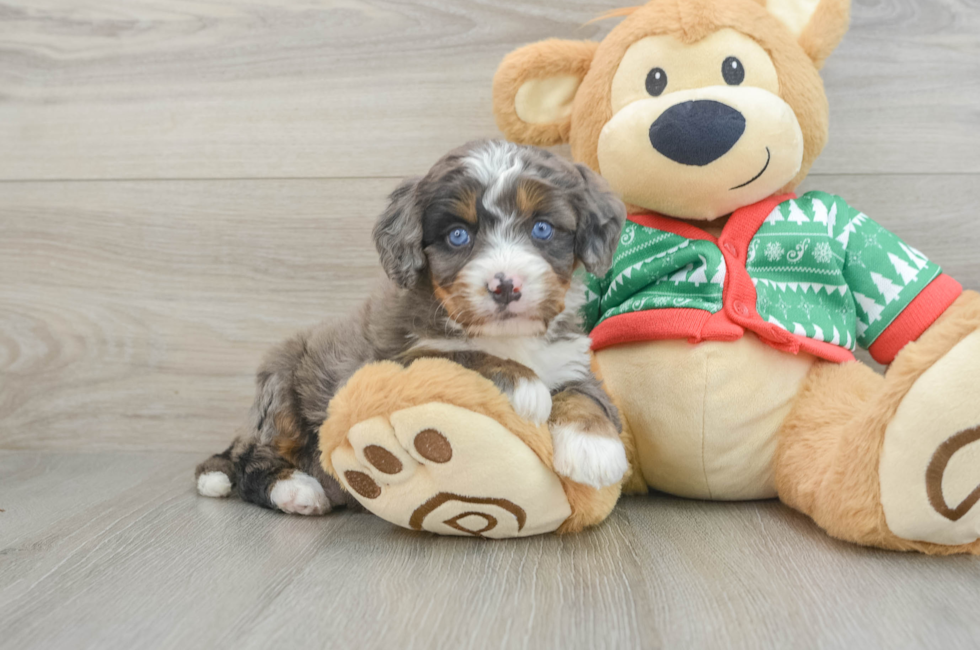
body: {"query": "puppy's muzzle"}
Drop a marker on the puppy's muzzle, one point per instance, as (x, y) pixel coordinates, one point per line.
(505, 290)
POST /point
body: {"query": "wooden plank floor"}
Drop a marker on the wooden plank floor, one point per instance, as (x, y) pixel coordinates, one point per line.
(184, 183)
(114, 550)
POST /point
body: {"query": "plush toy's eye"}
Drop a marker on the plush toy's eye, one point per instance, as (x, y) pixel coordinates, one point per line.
(458, 237)
(542, 230)
(732, 71)
(656, 81)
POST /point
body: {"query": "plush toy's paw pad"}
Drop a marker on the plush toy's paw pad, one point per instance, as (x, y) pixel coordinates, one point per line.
(451, 471)
(300, 494)
(214, 484)
(930, 462)
(531, 400)
(587, 458)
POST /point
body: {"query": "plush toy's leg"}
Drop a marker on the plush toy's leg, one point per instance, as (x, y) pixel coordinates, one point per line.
(437, 447)
(893, 461)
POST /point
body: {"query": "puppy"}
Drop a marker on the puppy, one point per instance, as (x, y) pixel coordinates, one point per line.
(479, 255)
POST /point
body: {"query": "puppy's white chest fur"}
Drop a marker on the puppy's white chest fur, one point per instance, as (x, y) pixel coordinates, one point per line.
(556, 363)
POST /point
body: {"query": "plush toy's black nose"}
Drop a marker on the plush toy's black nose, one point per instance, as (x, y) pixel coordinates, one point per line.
(697, 132)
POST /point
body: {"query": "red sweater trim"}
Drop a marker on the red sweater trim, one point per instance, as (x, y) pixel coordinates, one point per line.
(794, 344)
(741, 226)
(679, 323)
(916, 318)
(695, 325)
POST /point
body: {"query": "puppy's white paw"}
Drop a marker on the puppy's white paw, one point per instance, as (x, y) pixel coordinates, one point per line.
(531, 400)
(300, 494)
(587, 458)
(213, 484)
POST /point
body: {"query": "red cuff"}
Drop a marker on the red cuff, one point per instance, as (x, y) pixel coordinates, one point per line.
(916, 318)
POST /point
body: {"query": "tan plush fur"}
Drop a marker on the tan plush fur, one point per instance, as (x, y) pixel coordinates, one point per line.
(825, 30)
(589, 506)
(383, 388)
(542, 60)
(796, 64)
(829, 447)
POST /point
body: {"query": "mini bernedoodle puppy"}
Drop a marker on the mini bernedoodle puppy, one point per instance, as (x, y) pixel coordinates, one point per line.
(480, 255)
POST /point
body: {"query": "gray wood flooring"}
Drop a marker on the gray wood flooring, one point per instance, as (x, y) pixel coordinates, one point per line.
(184, 183)
(113, 550)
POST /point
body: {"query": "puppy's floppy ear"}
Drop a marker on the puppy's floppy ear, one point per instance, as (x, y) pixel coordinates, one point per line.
(600, 219)
(398, 235)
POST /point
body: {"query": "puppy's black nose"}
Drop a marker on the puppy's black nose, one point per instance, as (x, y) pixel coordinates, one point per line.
(504, 290)
(697, 132)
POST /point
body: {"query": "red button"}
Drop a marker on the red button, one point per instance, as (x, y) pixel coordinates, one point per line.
(740, 308)
(731, 249)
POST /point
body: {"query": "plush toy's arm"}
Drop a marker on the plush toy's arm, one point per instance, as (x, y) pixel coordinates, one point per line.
(898, 293)
(434, 446)
(526, 393)
(504, 373)
(920, 315)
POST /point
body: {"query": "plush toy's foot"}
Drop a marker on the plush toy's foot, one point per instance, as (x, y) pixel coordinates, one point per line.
(436, 447)
(930, 460)
(450, 471)
(893, 461)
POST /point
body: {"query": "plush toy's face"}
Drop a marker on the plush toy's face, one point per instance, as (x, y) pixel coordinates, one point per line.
(689, 108)
(704, 118)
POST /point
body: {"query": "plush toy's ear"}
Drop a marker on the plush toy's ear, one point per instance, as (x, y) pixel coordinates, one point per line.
(818, 25)
(534, 88)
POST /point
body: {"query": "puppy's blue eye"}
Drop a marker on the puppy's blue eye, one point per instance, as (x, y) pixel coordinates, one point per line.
(542, 230)
(459, 237)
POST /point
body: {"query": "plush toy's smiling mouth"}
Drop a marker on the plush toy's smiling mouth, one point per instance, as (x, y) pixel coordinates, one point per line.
(756, 177)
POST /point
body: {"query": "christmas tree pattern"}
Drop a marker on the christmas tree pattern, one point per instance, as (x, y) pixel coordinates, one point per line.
(657, 270)
(903, 268)
(796, 215)
(888, 289)
(821, 270)
(886, 273)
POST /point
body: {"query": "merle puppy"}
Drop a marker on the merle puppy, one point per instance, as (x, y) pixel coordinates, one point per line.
(480, 255)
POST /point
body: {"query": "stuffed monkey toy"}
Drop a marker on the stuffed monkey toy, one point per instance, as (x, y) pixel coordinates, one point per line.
(726, 328)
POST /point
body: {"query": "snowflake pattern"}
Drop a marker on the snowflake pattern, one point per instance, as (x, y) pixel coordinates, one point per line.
(774, 251)
(854, 259)
(807, 308)
(763, 303)
(781, 305)
(823, 253)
